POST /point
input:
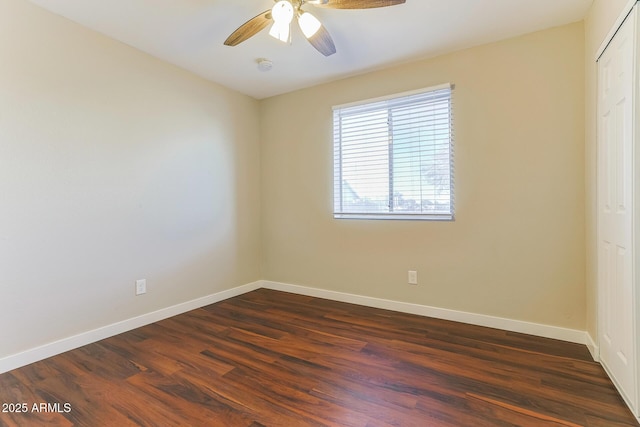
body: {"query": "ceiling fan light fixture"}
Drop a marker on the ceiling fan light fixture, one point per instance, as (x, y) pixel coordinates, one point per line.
(282, 14)
(280, 31)
(309, 24)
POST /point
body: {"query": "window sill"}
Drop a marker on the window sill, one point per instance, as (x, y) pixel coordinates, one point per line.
(397, 217)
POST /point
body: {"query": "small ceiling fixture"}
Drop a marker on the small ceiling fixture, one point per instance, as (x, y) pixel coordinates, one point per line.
(264, 64)
(283, 12)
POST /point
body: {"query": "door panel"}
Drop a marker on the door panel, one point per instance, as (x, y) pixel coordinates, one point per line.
(615, 198)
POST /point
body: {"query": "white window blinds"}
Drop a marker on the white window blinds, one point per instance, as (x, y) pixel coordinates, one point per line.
(393, 157)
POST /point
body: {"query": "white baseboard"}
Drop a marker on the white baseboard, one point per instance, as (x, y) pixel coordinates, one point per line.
(593, 348)
(51, 349)
(14, 361)
(547, 331)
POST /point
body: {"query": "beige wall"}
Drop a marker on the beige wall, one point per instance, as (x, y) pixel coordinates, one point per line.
(516, 249)
(598, 23)
(114, 166)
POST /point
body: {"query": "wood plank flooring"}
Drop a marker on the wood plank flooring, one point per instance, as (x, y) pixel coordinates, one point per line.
(270, 358)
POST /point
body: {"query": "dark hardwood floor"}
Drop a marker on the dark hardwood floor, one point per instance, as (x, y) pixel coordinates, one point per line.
(269, 358)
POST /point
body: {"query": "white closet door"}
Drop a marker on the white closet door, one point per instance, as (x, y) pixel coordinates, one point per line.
(615, 207)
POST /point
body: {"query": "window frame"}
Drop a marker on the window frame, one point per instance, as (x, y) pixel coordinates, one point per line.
(338, 194)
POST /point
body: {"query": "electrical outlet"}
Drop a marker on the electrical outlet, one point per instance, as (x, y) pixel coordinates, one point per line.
(413, 277)
(141, 286)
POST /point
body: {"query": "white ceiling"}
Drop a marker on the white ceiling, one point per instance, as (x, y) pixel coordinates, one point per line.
(190, 34)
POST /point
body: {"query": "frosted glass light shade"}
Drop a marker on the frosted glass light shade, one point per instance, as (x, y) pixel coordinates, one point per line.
(282, 12)
(280, 31)
(309, 24)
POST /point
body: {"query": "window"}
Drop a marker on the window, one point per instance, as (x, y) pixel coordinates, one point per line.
(393, 157)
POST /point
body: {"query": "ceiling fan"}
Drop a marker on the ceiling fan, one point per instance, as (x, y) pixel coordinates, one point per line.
(284, 11)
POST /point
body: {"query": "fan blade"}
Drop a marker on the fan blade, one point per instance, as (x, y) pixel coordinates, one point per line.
(322, 41)
(354, 4)
(249, 29)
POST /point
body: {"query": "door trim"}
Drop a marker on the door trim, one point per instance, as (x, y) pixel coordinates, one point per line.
(614, 28)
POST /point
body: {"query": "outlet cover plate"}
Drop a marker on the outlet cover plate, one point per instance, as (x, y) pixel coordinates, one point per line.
(141, 286)
(413, 277)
